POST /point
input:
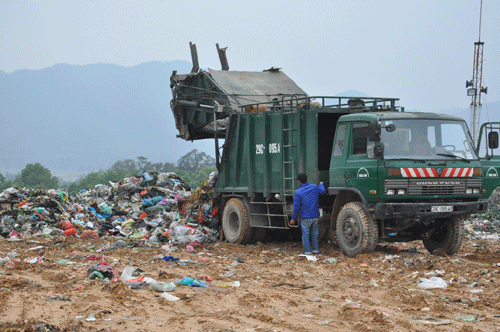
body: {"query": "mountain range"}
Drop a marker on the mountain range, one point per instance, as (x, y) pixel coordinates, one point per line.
(84, 118)
(75, 119)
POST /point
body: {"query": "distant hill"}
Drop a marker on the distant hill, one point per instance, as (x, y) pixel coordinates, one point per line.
(84, 118)
(489, 113)
(352, 93)
(78, 119)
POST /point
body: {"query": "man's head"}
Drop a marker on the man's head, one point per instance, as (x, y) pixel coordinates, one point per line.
(302, 177)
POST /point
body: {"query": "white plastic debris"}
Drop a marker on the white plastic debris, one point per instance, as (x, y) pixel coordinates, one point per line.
(169, 297)
(432, 283)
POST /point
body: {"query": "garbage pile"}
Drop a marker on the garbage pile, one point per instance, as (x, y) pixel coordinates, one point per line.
(151, 207)
(486, 225)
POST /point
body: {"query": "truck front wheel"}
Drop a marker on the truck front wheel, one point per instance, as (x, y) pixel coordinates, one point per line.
(356, 230)
(449, 236)
(236, 222)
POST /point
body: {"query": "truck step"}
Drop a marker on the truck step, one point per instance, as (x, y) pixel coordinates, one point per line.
(268, 214)
(267, 203)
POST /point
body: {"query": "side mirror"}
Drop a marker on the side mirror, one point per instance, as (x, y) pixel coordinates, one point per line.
(390, 128)
(375, 150)
(493, 140)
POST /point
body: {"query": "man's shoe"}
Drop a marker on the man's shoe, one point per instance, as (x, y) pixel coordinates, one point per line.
(315, 252)
(307, 253)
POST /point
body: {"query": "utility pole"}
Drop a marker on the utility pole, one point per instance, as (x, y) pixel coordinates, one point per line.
(474, 87)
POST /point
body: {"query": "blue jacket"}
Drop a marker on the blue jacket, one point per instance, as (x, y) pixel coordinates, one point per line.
(305, 202)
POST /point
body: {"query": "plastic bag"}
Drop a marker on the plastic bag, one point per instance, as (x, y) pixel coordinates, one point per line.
(162, 286)
(432, 283)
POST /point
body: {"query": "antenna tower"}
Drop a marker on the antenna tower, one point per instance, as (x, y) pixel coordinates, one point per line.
(474, 87)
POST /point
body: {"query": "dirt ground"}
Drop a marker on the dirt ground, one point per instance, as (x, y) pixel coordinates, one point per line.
(279, 290)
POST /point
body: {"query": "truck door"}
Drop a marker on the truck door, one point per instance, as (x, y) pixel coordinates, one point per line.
(337, 163)
(489, 156)
(360, 171)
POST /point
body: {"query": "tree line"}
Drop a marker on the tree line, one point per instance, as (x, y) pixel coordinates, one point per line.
(194, 167)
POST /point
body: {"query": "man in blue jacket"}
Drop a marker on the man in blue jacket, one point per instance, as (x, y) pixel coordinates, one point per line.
(305, 206)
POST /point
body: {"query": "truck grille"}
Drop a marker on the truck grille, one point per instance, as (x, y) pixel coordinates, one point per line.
(435, 186)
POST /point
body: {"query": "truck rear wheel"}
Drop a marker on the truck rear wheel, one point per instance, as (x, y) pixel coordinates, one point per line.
(236, 222)
(356, 230)
(448, 237)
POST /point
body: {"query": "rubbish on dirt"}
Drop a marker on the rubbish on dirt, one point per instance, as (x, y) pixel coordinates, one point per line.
(188, 281)
(169, 297)
(235, 284)
(91, 319)
(329, 260)
(467, 318)
(434, 321)
(432, 283)
(162, 286)
(309, 257)
(476, 291)
(57, 298)
(170, 259)
(96, 275)
(292, 285)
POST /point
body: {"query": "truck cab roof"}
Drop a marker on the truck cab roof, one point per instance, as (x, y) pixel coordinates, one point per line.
(391, 115)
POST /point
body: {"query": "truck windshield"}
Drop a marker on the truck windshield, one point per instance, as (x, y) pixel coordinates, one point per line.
(427, 140)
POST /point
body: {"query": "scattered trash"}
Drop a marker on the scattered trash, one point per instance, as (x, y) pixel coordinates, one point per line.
(162, 287)
(188, 281)
(435, 321)
(235, 284)
(476, 291)
(432, 283)
(329, 260)
(169, 297)
(170, 259)
(291, 285)
(57, 298)
(309, 257)
(467, 318)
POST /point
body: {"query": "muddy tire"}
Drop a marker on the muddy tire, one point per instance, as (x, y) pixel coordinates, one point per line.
(236, 222)
(356, 230)
(448, 237)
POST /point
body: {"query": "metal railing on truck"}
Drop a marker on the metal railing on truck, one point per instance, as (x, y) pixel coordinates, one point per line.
(346, 104)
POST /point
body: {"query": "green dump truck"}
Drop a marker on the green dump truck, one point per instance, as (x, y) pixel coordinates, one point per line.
(391, 175)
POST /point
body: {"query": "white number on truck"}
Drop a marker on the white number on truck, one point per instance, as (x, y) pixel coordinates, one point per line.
(274, 148)
(259, 149)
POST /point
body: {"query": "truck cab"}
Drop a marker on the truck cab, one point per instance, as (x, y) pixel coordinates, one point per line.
(404, 176)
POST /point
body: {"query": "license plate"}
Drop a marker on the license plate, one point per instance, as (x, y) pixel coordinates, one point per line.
(442, 208)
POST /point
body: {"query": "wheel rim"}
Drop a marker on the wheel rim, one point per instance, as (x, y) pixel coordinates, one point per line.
(233, 223)
(351, 231)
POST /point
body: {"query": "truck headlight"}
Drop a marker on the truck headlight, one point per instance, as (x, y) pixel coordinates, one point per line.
(390, 192)
(401, 191)
(468, 191)
(476, 191)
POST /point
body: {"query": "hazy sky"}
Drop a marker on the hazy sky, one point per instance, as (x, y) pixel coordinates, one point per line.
(420, 51)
